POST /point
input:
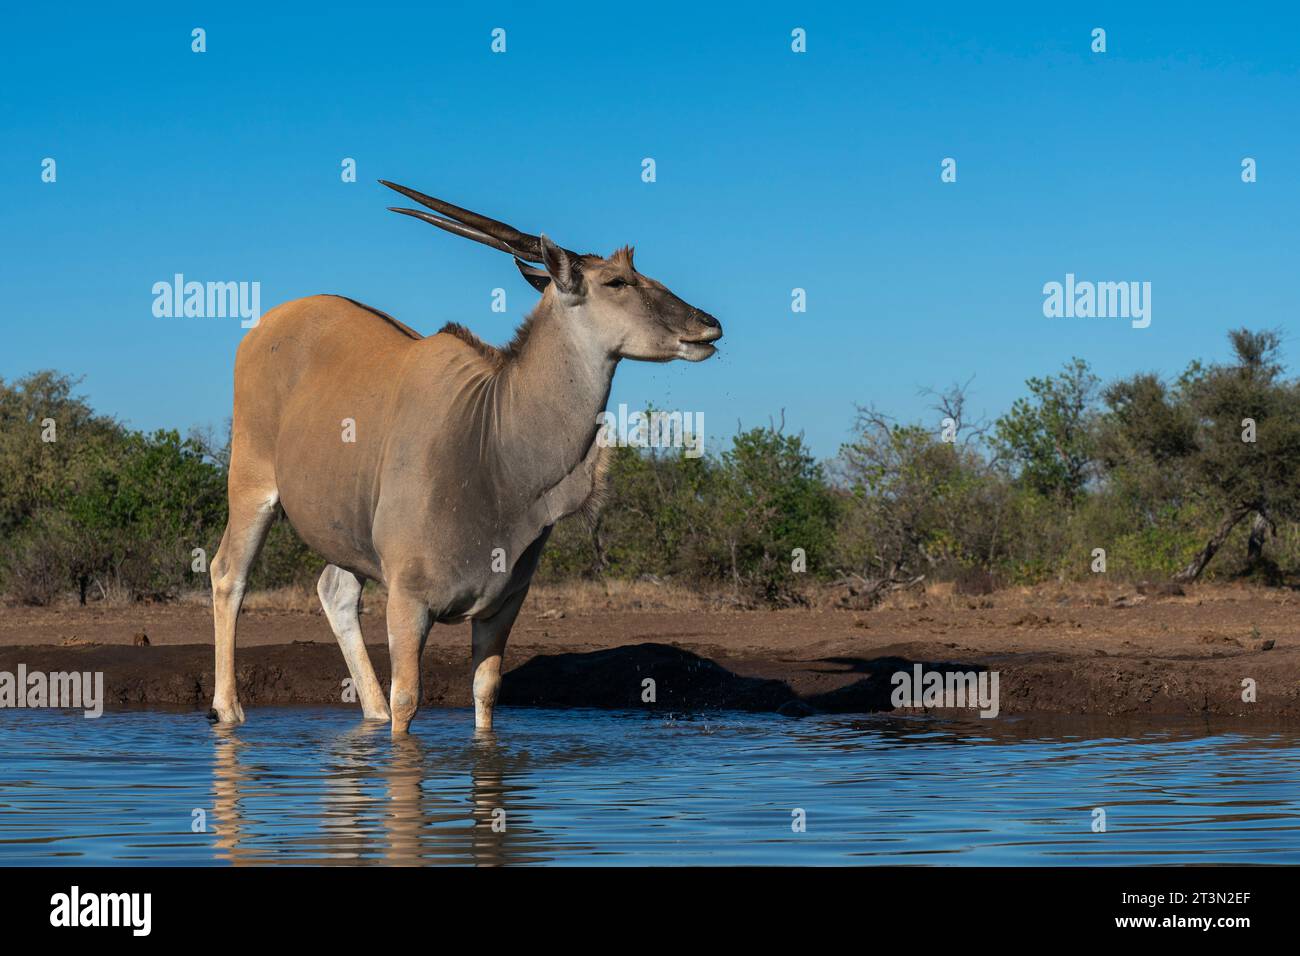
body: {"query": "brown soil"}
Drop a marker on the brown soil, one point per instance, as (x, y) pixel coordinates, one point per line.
(1116, 653)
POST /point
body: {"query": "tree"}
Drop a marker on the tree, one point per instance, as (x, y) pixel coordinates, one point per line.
(1146, 441)
(1048, 437)
(1247, 442)
(915, 502)
(771, 497)
(36, 472)
(132, 512)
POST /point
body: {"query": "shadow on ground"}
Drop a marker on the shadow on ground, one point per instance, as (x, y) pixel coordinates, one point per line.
(682, 680)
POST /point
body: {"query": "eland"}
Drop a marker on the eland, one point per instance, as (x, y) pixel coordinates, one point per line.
(435, 465)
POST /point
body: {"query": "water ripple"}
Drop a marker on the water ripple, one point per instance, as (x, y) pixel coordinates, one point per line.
(597, 787)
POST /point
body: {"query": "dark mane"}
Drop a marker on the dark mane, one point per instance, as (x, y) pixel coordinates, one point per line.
(498, 357)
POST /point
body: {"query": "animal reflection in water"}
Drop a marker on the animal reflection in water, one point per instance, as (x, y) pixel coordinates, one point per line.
(376, 806)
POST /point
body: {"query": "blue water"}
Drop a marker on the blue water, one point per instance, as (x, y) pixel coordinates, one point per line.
(308, 785)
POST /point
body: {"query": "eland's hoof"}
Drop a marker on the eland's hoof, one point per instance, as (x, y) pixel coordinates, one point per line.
(230, 714)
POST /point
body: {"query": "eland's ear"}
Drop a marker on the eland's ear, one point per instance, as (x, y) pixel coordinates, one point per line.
(539, 279)
(562, 267)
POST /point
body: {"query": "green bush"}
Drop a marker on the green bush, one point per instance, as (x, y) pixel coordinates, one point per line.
(1156, 473)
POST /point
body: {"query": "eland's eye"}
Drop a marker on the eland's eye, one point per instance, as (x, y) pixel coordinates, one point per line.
(616, 283)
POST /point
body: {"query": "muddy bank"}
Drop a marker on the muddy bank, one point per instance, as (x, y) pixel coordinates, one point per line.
(1184, 656)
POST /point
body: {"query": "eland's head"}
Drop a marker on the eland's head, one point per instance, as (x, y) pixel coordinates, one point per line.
(628, 314)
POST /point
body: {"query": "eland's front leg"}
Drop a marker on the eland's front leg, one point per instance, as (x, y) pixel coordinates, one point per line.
(408, 626)
(340, 596)
(490, 636)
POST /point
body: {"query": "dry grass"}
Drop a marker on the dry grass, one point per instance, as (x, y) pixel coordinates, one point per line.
(291, 598)
(1099, 593)
(585, 597)
(571, 597)
(577, 597)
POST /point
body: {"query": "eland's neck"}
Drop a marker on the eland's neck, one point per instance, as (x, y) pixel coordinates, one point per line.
(548, 398)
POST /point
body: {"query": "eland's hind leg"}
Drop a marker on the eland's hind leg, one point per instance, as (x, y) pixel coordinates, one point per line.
(340, 596)
(251, 514)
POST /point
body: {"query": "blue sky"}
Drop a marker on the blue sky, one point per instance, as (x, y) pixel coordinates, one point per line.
(775, 170)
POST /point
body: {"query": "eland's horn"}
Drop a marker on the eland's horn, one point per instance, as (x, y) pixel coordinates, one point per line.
(460, 229)
(471, 225)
